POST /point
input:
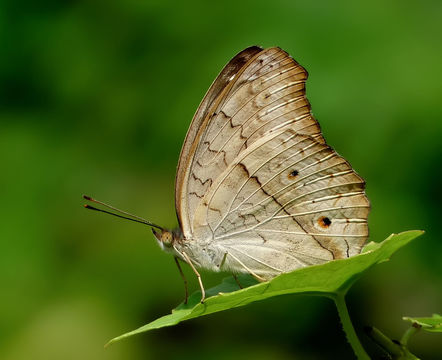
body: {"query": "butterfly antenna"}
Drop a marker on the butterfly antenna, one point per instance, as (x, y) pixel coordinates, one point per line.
(128, 216)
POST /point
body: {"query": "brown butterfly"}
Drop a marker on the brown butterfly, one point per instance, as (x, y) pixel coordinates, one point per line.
(257, 188)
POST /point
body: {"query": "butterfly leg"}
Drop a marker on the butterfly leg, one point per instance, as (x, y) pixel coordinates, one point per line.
(203, 292)
(257, 277)
(184, 279)
(234, 275)
(237, 280)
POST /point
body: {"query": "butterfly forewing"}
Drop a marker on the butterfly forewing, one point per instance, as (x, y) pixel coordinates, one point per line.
(268, 91)
(197, 128)
(261, 184)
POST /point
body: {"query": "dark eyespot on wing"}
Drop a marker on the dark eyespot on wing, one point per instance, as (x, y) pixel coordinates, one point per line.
(293, 174)
(324, 222)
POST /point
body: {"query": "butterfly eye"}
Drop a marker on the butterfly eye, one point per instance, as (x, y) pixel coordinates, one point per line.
(293, 174)
(167, 238)
(324, 222)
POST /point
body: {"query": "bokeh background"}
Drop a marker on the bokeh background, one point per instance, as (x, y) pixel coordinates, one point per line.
(96, 97)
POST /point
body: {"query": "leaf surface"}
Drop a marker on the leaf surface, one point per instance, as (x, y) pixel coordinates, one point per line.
(325, 279)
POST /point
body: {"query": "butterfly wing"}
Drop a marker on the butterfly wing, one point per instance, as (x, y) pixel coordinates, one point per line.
(197, 128)
(287, 201)
(262, 185)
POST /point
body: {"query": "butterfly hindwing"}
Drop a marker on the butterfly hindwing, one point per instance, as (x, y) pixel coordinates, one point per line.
(295, 202)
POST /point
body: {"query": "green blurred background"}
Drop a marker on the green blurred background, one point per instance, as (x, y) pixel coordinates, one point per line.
(96, 98)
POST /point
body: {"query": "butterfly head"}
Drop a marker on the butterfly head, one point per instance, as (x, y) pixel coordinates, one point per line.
(164, 237)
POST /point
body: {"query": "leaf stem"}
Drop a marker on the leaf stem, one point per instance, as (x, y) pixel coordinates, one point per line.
(396, 350)
(389, 346)
(339, 299)
(410, 331)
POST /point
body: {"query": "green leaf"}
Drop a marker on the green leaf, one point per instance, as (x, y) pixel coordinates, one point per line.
(326, 279)
(432, 324)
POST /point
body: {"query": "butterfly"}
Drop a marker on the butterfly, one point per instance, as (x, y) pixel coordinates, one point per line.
(257, 189)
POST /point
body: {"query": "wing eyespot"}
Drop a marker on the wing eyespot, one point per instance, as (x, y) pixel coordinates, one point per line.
(292, 174)
(324, 222)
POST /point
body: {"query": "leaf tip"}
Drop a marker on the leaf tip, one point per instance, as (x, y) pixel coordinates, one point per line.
(418, 232)
(110, 342)
(114, 340)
